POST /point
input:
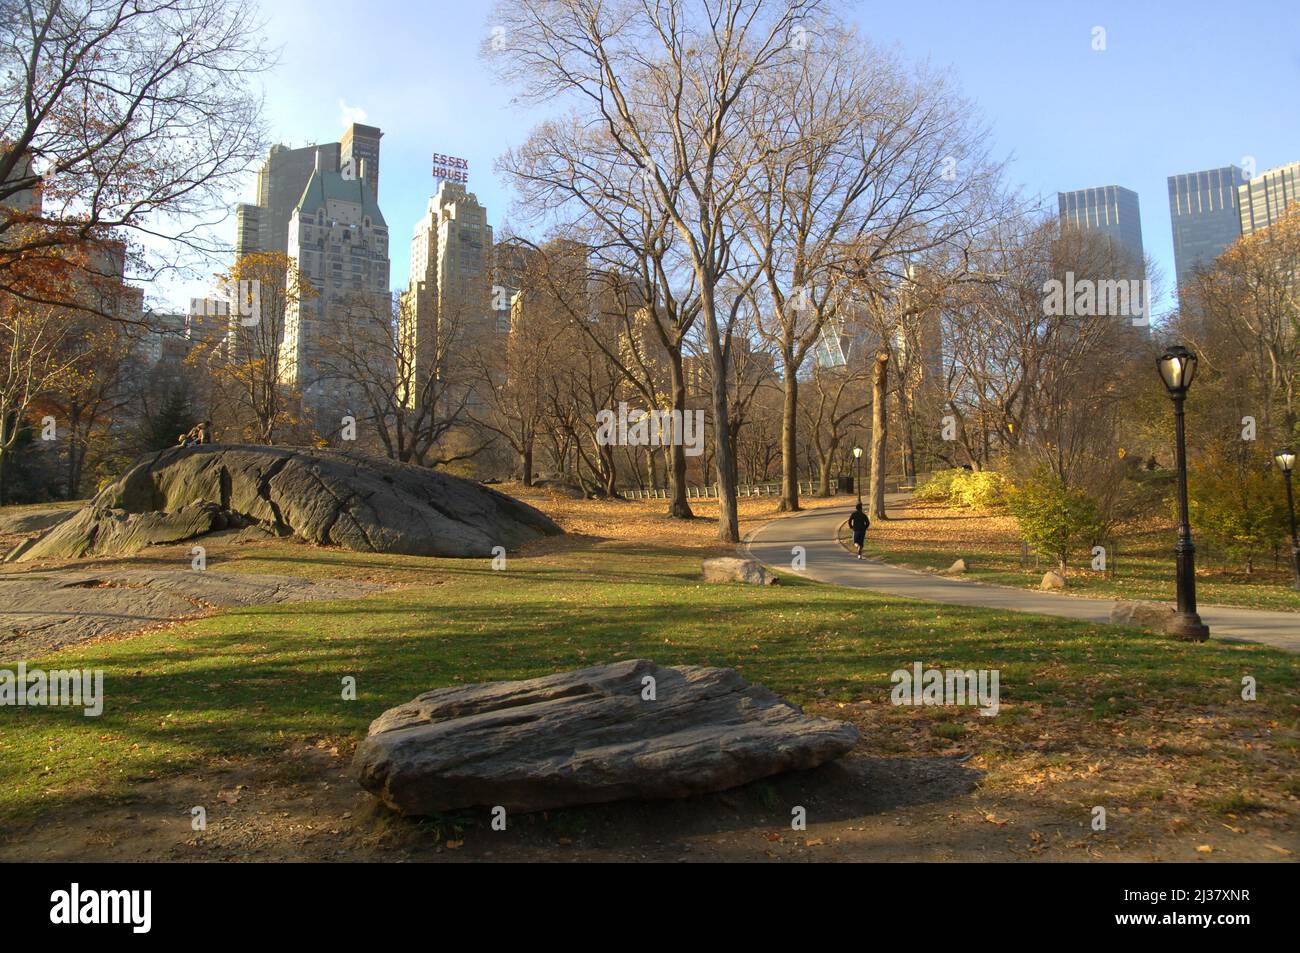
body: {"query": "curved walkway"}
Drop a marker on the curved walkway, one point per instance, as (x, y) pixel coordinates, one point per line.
(826, 561)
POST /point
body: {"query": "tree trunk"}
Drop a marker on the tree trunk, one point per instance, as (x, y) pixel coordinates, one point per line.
(789, 434)
(678, 507)
(724, 455)
(526, 459)
(824, 477)
(906, 436)
(879, 435)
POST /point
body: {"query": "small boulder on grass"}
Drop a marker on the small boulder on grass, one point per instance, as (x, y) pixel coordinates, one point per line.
(1052, 580)
(734, 569)
(1145, 615)
(959, 566)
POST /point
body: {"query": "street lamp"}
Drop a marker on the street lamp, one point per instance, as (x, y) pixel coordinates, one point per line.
(1285, 459)
(857, 477)
(1177, 368)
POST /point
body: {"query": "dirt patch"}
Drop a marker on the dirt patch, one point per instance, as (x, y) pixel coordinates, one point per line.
(306, 807)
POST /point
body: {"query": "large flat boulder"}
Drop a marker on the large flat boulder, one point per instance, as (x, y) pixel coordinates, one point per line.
(588, 737)
(735, 569)
(328, 497)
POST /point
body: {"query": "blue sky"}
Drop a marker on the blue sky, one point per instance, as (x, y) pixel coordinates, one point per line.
(1180, 86)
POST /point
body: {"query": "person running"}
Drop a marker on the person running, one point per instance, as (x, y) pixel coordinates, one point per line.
(859, 523)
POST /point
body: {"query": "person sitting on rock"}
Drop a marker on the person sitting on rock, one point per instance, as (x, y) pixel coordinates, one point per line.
(199, 434)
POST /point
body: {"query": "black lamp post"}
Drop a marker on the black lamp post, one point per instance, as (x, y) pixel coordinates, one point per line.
(1285, 459)
(1177, 368)
(857, 475)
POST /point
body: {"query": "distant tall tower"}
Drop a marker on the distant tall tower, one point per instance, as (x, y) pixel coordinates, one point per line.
(264, 225)
(339, 238)
(449, 294)
(1265, 198)
(362, 142)
(1203, 210)
(1109, 209)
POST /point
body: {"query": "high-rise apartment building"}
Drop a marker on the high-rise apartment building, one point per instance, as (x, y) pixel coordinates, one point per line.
(1264, 199)
(449, 298)
(339, 239)
(1109, 209)
(1205, 217)
(264, 225)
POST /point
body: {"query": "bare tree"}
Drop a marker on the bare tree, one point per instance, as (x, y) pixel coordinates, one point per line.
(35, 358)
(412, 400)
(859, 175)
(243, 360)
(120, 116)
(669, 82)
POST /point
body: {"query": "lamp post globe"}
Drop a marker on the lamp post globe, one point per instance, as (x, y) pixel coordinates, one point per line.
(1285, 460)
(857, 475)
(1177, 367)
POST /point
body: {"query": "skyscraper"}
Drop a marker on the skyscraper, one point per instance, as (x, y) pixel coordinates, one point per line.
(449, 295)
(1206, 220)
(1109, 209)
(339, 238)
(1264, 199)
(264, 225)
(362, 142)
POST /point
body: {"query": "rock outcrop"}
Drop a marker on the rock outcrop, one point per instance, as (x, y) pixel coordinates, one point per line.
(632, 729)
(735, 569)
(359, 502)
(1145, 615)
(41, 612)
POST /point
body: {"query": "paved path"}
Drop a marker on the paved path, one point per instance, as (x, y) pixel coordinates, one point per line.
(827, 562)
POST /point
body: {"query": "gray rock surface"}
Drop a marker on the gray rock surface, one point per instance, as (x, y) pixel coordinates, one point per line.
(1052, 580)
(588, 737)
(1144, 615)
(44, 611)
(734, 569)
(363, 503)
(31, 519)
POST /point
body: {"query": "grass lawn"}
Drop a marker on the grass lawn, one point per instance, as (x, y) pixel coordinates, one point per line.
(1090, 714)
(933, 535)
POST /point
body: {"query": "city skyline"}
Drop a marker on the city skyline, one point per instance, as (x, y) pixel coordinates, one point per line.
(1050, 149)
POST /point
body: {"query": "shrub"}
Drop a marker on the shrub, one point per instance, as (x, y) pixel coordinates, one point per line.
(1236, 501)
(1054, 518)
(938, 488)
(982, 490)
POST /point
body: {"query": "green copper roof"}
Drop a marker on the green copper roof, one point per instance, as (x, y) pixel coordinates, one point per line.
(323, 186)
